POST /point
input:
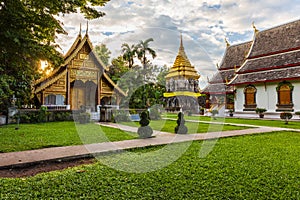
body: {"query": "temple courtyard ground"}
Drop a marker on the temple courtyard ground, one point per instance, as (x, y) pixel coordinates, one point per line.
(262, 158)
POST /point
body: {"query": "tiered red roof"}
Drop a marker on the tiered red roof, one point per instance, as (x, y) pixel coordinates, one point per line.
(274, 55)
(233, 58)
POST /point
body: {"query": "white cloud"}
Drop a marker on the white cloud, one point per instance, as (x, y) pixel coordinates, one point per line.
(204, 25)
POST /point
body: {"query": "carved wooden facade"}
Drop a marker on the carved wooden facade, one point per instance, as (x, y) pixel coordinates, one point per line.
(80, 82)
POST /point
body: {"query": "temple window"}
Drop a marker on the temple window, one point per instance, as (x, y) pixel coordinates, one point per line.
(50, 100)
(285, 96)
(250, 98)
(60, 99)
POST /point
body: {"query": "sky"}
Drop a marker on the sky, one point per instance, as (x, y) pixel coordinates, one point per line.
(204, 25)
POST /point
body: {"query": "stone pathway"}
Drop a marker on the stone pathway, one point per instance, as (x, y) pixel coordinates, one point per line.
(23, 158)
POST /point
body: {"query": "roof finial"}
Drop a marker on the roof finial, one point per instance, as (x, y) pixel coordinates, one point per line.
(80, 30)
(227, 43)
(254, 27)
(87, 26)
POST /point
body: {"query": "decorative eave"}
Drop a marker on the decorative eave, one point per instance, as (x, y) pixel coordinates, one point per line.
(50, 81)
(117, 88)
(284, 60)
(73, 55)
(292, 73)
(217, 88)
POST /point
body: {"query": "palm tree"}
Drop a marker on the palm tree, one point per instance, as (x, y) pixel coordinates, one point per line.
(129, 53)
(142, 50)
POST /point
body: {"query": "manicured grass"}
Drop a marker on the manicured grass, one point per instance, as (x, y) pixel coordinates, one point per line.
(36, 136)
(259, 122)
(265, 166)
(169, 126)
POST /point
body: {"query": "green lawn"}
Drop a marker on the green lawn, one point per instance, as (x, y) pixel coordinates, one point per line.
(265, 166)
(36, 136)
(258, 121)
(169, 126)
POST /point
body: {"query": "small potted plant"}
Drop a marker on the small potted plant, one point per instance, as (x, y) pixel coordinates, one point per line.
(231, 112)
(297, 113)
(286, 116)
(260, 112)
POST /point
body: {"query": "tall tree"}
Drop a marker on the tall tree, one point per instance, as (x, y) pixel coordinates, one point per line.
(129, 53)
(104, 53)
(117, 69)
(143, 49)
(28, 32)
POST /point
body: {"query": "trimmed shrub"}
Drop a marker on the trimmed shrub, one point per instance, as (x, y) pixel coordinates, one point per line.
(181, 128)
(286, 116)
(144, 131)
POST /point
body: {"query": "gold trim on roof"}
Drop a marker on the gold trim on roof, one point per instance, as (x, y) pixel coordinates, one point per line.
(50, 81)
(182, 66)
(182, 93)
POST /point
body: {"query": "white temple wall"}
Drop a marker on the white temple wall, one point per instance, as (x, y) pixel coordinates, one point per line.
(239, 99)
(266, 96)
(296, 96)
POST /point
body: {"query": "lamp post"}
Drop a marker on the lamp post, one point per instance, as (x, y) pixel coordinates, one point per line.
(14, 111)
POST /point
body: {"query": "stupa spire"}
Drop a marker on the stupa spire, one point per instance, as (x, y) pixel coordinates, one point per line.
(182, 66)
(181, 43)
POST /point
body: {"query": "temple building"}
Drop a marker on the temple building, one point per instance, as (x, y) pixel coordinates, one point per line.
(270, 76)
(80, 82)
(218, 92)
(182, 84)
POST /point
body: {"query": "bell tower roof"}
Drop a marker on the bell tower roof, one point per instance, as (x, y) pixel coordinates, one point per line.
(182, 66)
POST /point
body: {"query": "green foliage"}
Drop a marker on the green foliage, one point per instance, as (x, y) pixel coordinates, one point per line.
(117, 69)
(43, 115)
(228, 172)
(297, 113)
(28, 32)
(142, 49)
(84, 117)
(129, 53)
(214, 112)
(103, 53)
(120, 116)
(144, 131)
(181, 128)
(286, 116)
(154, 113)
(270, 123)
(42, 135)
(260, 110)
(144, 119)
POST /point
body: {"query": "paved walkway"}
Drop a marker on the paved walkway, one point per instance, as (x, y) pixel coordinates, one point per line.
(22, 158)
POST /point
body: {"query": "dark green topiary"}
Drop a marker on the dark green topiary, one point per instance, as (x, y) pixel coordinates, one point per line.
(144, 131)
(181, 128)
(144, 119)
